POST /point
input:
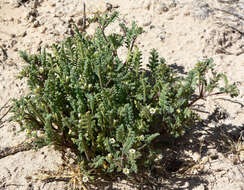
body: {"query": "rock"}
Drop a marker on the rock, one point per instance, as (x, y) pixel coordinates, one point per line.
(44, 29)
(162, 8)
(13, 35)
(162, 35)
(52, 4)
(18, 21)
(32, 19)
(13, 42)
(187, 13)
(170, 17)
(36, 24)
(147, 21)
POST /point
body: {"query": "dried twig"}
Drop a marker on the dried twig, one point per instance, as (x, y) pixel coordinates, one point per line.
(5, 55)
(4, 106)
(233, 101)
(4, 186)
(5, 114)
(230, 13)
(13, 150)
(84, 17)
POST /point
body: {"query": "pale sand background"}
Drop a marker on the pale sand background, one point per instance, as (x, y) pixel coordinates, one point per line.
(183, 32)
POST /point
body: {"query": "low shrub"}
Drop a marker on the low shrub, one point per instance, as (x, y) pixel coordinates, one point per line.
(108, 111)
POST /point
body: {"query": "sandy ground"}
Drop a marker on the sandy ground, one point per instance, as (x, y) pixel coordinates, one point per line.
(183, 32)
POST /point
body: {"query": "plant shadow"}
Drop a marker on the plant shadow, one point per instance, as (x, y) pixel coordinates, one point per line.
(172, 171)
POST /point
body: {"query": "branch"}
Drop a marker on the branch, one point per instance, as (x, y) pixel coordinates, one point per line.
(5, 114)
(4, 105)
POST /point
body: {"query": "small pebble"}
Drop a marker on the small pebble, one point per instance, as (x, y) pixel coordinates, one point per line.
(52, 4)
(18, 21)
(187, 13)
(36, 24)
(28, 178)
(170, 18)
(162, 38)
(13, 42)
(13, 35)
(32, 19)
(44, 30)
(147, 23)
(163, 9)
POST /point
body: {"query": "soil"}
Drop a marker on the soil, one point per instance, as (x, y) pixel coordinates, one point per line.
(209, 156)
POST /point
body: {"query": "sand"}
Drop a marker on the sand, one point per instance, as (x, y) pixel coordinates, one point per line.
(183, 32)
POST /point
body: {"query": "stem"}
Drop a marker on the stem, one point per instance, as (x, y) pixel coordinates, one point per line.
(201, 96)
(144, 91)
(214, 94)
(103, 33)
(194, 101)
(132, 44)
(4, 106)
(99, 76)
(9, 109)
(100, 81)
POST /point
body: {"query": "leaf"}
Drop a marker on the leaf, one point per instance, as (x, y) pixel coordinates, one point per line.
(120, 133)
(187, 112)
(150, 138)
(129, 142)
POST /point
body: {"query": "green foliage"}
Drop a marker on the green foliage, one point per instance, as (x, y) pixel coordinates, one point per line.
(83, 96)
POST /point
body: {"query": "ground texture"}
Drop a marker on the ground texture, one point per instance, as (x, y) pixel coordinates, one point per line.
(209, 156)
